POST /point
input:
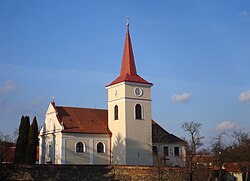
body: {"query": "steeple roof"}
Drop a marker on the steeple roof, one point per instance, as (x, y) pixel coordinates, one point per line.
(128, 71)
(128, 62)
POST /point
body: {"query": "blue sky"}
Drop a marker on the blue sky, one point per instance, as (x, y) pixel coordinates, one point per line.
(197, 54)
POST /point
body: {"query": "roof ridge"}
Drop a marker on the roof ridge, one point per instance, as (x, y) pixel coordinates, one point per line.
(82, 108)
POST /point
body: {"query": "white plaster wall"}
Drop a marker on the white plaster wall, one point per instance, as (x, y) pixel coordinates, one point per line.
(50, 133)
(131, 139)
(116, 96)
(139, 132)
(69, 156)
(171, 159)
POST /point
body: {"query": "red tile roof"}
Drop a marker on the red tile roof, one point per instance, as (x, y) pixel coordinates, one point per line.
(83, 120)
(203, 158)
(129, 78)
(8, 150)
(128, 70)
(232, 167)
(128, 62)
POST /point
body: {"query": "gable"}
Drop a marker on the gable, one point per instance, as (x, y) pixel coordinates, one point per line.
(52, 122)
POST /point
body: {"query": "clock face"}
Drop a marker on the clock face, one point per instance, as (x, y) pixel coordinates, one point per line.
(138, 92)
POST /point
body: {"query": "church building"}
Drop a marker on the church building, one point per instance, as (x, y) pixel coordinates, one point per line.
(125, 134)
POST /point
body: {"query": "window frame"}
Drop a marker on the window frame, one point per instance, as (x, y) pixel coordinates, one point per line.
(83, 147)
(163, 151)
(179, 151)
(50, 147)
(135, 112)
(104, 148)
(116, 112)
(49, 150)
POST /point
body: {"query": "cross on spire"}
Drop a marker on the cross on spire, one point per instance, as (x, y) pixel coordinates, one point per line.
(127, 24)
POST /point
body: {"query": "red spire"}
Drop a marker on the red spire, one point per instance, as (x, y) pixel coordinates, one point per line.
(128, 62)
(128, 70)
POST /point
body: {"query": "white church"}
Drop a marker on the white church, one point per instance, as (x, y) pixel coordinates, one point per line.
(125, 134)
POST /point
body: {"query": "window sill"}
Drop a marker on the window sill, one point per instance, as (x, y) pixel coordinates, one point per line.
(80, 153)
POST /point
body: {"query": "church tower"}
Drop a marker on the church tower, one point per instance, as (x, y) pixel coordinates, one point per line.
(129, 113)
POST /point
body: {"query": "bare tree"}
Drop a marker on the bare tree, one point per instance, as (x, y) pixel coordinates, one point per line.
(241, 149)
(157, 139)
(15, 135)
(219, 152)
(240, 136)
(194, 143)
(238, 151)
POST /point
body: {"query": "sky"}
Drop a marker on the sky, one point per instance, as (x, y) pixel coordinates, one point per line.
(196, 53)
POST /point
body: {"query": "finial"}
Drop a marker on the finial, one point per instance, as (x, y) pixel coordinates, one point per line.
(53, 99)
(127, 24)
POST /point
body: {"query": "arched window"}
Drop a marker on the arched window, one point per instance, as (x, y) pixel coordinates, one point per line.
(116, 112)
(138, 111)
(100, 148)
(80, 147)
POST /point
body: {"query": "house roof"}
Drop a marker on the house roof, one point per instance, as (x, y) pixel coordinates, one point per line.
(8, 150)
(95, 121)
(128, 71)
(160, 135)
(232, 167)
(83, 120)
(202, 158)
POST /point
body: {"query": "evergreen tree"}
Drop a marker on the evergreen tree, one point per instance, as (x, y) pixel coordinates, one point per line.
(32, 143)
(21, 144)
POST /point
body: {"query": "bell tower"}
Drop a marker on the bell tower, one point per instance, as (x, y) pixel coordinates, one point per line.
(129, 113)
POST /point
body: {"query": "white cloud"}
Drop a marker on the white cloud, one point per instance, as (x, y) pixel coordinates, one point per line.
(245, 96)
(181, 98)
(244, 15)
(7, 87)
(227, 125)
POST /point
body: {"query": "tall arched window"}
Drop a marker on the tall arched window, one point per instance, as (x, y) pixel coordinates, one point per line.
(138, 111)
(80, 147)
(100, 148)
(116, 112)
